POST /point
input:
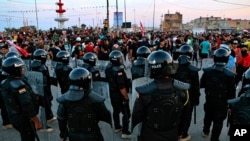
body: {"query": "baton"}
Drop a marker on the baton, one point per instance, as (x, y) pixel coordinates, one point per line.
(34, 130)
(194, 114)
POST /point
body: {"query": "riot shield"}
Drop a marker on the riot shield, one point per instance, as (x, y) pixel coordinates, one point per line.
(135, 83)
(102, 65)
(35, 80)
(102, 88)
(27, 63)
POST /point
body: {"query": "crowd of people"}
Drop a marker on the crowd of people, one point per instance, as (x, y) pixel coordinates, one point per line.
(164, 106)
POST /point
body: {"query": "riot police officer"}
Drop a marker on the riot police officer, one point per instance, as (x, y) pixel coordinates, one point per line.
(188, 73)
(62, 70)
(80, 109)
(117, 79)
(138, 66)
(240, 109)
(38, 64)
(90, 59)
(219, 84)
(19, 99)
(159, 103)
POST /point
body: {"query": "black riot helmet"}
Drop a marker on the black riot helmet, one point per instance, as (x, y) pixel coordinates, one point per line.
(221, 56)
(80, 78)
(143, 52)
(63, 56)
(186, 50)
(90, 58)
(185, 54)
(116, 58)
(41, 55)
(11, 54)
(160, 64)
(13, 66)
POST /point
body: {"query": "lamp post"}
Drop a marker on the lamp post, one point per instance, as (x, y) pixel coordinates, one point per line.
(154, 17)
(36, 15)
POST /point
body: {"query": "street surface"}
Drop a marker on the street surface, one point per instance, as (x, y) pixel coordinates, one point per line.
(195, 129)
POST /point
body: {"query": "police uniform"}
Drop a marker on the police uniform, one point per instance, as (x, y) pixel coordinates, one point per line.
(139, 65)
(117, 79)
(219, 84)
(62, 70)
(38, 64)
(159, 103)
(90, 60)
(188, 73)
(80, 109)
(240, 114)
(19, 100)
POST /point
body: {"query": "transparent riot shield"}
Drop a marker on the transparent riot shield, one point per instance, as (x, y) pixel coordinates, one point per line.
(102, 88)
(27, 63)
(102, 65)
(135, 83)
(35, 80)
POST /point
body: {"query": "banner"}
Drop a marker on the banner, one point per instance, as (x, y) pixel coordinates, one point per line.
(142, 28)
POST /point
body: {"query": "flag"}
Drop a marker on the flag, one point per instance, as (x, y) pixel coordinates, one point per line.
(142, 28)
(19, 49)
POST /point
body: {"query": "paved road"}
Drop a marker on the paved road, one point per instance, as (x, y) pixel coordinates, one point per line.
(195, 129)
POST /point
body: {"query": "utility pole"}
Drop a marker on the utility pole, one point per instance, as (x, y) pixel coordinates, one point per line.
(125, 26)
(117, 26)
(36, 16)
(154, 17)
(108, 13)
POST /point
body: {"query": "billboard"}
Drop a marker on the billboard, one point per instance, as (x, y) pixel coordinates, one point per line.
(118, 18)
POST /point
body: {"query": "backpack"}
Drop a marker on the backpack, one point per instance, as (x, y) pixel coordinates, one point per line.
(164, 110)
(81, 116)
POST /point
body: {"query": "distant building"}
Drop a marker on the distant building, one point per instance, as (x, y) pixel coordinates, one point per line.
(172, 22)
(205, 24)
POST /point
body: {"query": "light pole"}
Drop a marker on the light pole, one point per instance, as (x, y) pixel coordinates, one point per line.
(125, 25)
(154, 17)
(36, 16)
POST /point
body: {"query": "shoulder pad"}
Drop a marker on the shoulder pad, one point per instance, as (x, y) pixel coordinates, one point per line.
(117, 68)
(67, 68)
(94, 97)
(59, 66)
(71, 95)
(93, 70)
(233, 101)
(181, 85)
(139, 62)
(228, 72)
(3, 81)
(207, 69)
(146, 89)
(193, 68)
(16, 83)
(35, 63)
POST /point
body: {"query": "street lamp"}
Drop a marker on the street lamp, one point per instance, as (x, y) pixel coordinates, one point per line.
(36, 15)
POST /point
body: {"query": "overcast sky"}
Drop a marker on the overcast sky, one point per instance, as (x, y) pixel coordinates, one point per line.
(92, 12)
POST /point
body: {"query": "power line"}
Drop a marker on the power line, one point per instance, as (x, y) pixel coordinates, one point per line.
(232, 3)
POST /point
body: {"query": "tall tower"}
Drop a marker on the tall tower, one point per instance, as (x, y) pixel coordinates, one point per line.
(60, 11)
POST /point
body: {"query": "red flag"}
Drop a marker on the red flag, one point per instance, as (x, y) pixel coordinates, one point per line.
(142, 28)
(19, 49)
